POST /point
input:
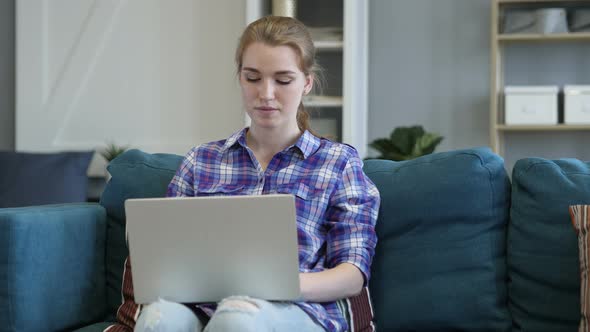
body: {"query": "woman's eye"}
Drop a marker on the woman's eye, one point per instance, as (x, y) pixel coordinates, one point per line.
(284, 82)
(252, 79)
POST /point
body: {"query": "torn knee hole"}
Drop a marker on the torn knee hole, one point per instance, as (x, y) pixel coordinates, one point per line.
(239, 304)
(152, 317)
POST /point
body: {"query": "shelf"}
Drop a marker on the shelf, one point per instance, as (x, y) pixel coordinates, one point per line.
(322, 101)
(328, 45)
(537, 1)
(558, 127)
(573, 36)
(327, 38)
(500, 140)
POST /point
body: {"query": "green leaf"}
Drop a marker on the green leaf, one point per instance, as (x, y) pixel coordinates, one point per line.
(394, 156)
(406, 143)
(430, 142)
(112, 151)
(401, 139)
(383, 145)
(416, 133)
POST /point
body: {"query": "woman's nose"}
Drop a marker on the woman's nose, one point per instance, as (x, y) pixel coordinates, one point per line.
(266, 90)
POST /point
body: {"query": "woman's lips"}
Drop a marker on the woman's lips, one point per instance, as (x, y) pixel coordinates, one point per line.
(266, 108)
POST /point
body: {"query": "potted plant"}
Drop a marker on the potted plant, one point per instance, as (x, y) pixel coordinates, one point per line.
(110, 152)
(406, 143)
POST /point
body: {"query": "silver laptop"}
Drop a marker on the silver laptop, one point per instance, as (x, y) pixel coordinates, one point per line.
(203, 249)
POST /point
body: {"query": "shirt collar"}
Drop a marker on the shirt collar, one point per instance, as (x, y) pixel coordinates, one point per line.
(238, 137)
(307, 142)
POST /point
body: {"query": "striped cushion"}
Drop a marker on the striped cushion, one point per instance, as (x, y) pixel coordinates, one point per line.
(358, 311)
(581, 219)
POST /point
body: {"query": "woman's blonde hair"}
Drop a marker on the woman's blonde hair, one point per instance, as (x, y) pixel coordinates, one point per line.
(284, 31)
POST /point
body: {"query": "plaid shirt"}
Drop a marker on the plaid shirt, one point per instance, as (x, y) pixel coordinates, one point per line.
(336, 203)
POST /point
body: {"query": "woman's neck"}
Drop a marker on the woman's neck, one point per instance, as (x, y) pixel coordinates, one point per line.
(271, 141)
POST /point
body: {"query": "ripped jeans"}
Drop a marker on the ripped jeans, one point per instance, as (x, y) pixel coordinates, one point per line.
(235, 313)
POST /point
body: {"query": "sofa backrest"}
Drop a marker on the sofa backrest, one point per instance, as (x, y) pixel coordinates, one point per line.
(135, 174)
(440, 263)
(543, 262)
(441, 259)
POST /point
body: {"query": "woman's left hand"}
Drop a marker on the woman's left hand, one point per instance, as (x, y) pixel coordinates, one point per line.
(343, 281)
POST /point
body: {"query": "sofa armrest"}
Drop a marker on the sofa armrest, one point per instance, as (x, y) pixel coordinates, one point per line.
(52, 274)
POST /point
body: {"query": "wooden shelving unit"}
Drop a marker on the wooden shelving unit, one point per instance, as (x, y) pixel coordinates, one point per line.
(498, 41)
(574, 36)
(329, 45)
(559, 127)
(502, 2)
(323, 101)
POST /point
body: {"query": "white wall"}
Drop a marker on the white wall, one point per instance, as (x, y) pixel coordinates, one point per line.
(429, 65)
(154, 75)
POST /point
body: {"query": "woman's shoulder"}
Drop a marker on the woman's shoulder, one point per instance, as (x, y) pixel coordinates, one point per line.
(209, 149)
(221, 145)
(338, 149)
(214, 149)
(212, 146)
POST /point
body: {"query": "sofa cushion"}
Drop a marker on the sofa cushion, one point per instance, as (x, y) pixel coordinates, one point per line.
(29, 179)
(440, 263)
(135, 174)
(52, 274)
(581, 220)
(543, 271)
(98, 327)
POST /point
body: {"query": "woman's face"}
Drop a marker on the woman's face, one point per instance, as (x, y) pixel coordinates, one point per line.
(272, 85)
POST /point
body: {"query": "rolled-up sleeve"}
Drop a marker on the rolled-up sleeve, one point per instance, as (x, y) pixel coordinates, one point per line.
(182, 184)
(351, 216)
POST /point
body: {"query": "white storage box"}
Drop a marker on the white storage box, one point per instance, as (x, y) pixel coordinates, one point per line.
(576, 104)
(530, 105)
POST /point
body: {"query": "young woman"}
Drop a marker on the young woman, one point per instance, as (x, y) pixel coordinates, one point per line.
(336, 203)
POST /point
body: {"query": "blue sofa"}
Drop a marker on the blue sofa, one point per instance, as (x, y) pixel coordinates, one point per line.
(462, 247)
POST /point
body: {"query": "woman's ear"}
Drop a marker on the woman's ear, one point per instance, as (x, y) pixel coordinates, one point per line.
(308, 84)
